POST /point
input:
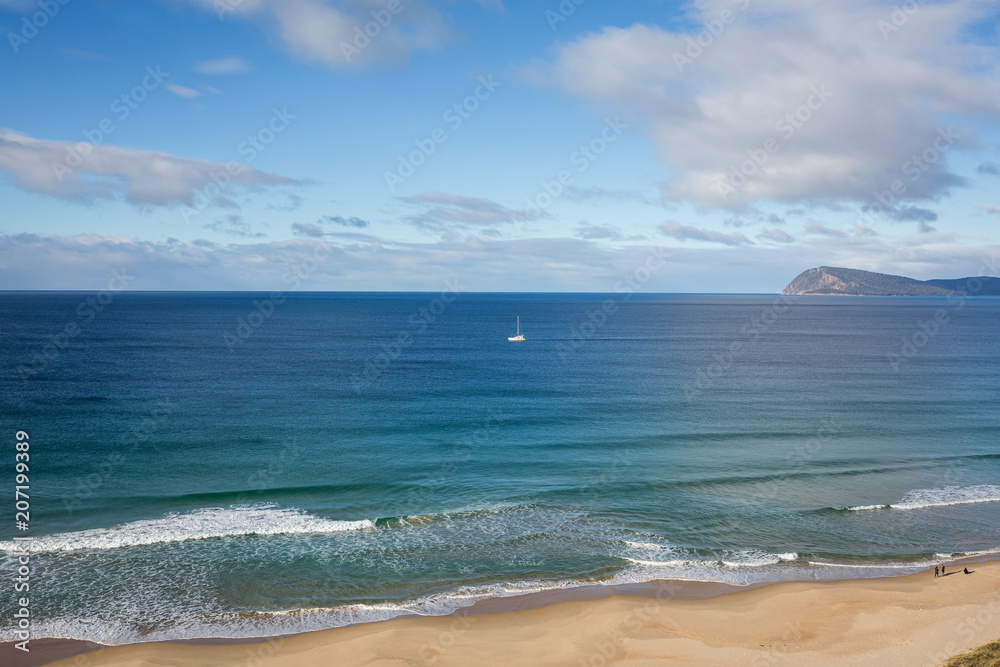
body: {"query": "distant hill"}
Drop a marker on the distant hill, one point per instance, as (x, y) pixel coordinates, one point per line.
(855, 282)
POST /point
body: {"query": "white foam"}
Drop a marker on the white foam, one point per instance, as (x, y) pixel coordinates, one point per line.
(281, 622)
(949, 495)
(747, 558)
(651, 561)
(945, 496)
(986, 552)
(915, 566)
(968, 554)
(649, 545)
(201, 524)
(754, 558)
(660, 563)
(651, 553)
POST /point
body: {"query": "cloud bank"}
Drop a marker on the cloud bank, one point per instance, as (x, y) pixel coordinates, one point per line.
(364, 262)
(83, 172)
(795, 100)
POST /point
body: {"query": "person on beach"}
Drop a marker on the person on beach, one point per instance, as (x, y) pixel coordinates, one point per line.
(966, 570)
(937, 571)
(942, 570)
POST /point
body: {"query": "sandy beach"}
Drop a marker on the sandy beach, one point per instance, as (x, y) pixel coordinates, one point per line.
(912, 620)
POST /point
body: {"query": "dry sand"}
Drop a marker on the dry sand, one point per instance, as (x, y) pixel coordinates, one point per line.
(913, 620)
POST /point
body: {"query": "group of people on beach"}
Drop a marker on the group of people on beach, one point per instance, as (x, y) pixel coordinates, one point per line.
(939, 572)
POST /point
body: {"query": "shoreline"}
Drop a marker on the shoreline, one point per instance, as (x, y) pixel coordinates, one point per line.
(48, 650)
(661, 594)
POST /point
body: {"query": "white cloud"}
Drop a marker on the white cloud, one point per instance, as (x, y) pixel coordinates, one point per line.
(231, 65)
(587, 230)
(876, 101)
(822, 230)
(333, 32)
(233, 225)
(777, 235)
(182, 91)
(138, 177)
(445, 211)
(686, 233)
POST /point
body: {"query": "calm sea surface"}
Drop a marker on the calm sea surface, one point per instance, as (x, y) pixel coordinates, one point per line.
(221, 465)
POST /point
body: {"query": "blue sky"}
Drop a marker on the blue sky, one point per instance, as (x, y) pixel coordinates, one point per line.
(745, 140)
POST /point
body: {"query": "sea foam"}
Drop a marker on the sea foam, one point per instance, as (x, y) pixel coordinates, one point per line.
(651, 561)
(942, 497)
(200, 524)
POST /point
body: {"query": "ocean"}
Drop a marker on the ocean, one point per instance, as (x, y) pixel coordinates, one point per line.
(244, 465)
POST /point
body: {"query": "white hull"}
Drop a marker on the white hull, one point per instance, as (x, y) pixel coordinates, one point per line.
(515, 338)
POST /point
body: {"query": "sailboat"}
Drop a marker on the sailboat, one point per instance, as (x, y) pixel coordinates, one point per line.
(518, 336)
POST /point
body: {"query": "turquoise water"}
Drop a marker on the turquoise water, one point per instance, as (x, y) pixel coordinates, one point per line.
(201, 471)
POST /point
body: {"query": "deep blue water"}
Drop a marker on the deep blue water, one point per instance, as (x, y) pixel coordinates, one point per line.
(357, 456)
